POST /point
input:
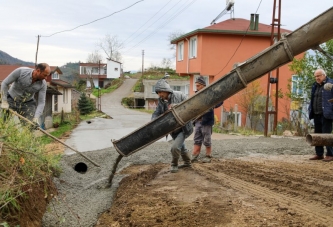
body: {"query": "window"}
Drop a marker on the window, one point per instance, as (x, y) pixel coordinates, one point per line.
(195, 79)
(65, 95)
(296, 85)
(175, 88)
(153, 89)
(55, 76)
(187, 89)
(238, 116)
(55, 103)
(83, 70)
(94, 70)
(193, 47)
(180, 56)
(115, 69)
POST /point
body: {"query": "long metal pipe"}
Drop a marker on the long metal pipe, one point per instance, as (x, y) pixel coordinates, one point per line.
(319, 139)
(313, 33)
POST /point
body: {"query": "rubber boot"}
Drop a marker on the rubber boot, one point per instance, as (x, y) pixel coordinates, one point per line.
(195, 153)
(174, 165)
(187, 160)
(208, 157)
(209, 152)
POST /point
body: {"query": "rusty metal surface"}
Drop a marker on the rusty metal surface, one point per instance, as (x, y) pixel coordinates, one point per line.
(317, 31)
(319, 139)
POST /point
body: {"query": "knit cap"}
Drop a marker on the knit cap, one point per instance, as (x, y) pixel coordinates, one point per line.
(201, 80)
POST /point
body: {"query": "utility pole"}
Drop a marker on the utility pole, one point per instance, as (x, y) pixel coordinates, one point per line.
(143, 53)
(272, 80)
(37, 50)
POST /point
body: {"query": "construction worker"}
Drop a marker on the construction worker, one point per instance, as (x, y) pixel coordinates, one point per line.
(203, 128)
(167, 99)
(25, 83)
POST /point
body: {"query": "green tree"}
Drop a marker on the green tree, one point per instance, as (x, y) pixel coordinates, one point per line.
(299, 87)
(84, 105)
(253, 102)
(305, 67)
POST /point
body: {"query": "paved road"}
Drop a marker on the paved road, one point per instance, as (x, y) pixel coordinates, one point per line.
(98, 134)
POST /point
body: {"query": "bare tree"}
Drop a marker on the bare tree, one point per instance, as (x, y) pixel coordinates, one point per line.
(111, 47)
(173, 36)
(94, 57)
(166, 63)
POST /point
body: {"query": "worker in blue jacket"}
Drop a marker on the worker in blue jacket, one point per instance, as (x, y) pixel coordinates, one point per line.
(203, 128)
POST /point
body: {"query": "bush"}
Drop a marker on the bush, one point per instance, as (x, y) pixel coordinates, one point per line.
(128, 101)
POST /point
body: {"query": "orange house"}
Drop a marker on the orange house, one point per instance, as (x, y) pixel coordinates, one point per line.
(213, 51)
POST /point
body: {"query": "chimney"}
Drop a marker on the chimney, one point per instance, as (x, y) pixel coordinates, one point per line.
(256, 23)
(252, 22)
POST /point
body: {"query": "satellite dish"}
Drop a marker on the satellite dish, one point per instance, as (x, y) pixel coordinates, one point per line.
(229, 7)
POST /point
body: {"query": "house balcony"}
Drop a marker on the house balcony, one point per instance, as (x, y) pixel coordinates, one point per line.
(94, 76)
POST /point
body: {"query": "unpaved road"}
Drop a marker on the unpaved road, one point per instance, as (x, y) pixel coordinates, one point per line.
(251, 182)
(267, 182)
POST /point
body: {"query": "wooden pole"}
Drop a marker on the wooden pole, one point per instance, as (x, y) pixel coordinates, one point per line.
(55, 138)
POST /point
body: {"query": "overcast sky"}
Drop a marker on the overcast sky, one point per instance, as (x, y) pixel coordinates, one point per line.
(144, 25)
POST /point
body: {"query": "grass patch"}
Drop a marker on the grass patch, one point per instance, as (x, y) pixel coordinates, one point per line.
(240, 130)
(113, 86)
(23, 166)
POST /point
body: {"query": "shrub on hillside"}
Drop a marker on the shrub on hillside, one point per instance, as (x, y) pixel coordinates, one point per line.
(85, 105)
(128, 101)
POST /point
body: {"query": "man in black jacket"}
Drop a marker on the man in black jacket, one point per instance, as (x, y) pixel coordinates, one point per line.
(203, 128)
(321, 111)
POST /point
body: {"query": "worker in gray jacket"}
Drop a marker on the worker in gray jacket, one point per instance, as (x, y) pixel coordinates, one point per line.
(168, 99)
(25, 83)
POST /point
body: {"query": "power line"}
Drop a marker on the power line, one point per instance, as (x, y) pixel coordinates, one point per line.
(160, 27)
(147, 21)
(239, 43)
(93, 20)
(155, 22)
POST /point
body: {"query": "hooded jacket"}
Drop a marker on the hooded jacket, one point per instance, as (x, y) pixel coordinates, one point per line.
(175, 97)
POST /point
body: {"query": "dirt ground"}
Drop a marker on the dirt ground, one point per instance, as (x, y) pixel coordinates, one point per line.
(275, 190)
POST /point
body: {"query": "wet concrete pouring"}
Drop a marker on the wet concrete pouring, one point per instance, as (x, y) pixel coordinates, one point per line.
(256, 181)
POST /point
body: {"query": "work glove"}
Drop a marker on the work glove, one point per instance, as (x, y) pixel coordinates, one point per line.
(328, 86)
(4, 105)
(36, 122)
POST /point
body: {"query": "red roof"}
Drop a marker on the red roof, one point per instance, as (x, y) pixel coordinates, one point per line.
(236, 26)
(62, 83)
(239, 24)
(5, 70)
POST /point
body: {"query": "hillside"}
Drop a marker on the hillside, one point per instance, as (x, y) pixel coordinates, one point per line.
(6, 59)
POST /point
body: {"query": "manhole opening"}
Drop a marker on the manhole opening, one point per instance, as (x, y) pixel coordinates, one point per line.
(81, 167)
(88, 122)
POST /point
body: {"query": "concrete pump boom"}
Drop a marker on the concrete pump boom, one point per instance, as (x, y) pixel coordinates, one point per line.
(310, 35)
